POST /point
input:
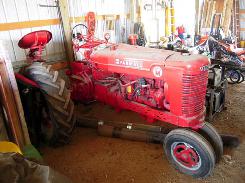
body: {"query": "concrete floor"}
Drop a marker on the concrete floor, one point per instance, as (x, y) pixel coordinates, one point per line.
(92, 158)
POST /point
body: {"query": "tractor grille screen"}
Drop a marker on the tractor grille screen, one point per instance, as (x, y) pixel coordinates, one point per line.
(193, 93)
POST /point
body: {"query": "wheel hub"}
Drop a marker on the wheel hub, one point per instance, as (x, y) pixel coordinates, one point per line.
(185, 155)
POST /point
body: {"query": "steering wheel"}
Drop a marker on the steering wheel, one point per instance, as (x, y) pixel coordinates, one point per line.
(79, 35)
(82, 38)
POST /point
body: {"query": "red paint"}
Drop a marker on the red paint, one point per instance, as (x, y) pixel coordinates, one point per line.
(81, 85)
(180, 29)
(36, 42)
(132, 39)
(186, 155)
(164, 85)
(25, 80)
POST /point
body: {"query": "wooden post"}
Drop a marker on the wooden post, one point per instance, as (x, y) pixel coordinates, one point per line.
(201, 17)
(10, 99)
(212, 13)
(227, 12)
(197, 17)
(65, 22)
(167, 15)
(209, 14)
(204, 14)
(224, 12)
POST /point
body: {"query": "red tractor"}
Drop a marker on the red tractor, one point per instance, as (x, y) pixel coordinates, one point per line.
(158, 84)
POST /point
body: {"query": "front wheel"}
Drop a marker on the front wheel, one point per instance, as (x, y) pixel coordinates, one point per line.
(211, 134)
(189, 152)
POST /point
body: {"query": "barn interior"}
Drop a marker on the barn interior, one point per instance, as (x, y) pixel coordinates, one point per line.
(122, 91)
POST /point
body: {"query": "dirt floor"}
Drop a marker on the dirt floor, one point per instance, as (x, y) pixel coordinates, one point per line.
(92, 158)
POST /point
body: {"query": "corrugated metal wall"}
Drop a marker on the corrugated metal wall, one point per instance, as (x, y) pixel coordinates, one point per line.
(28, 10)
(105, 10)
(242, 19)
(24, 12)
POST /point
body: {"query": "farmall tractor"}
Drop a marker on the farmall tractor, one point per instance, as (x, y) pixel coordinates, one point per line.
(161, 85)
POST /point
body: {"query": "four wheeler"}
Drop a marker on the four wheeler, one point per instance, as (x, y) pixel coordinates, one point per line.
(48, 108)
(158, 84)
(223, 49)
(231, 59)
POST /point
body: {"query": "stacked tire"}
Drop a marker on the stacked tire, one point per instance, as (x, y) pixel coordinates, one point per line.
(58, 114)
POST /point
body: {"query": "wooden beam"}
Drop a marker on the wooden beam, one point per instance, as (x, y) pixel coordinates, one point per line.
(207, 14)
(10, 109)
(28, 24)
(10, 99)
(219, 6)
(204, 14)
(98, 17)
(60, 65)
(40, 23)
(227, 12)
(197, 17)
(210, 14)
(65, 19)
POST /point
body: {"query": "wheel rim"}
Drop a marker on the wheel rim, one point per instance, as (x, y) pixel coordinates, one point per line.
(234, 77)
(185, 155)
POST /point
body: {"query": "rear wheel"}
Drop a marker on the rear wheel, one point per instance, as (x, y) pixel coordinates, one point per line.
(59, 118)
(189, 152)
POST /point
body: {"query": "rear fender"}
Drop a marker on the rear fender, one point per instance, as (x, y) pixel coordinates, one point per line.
(25, 80)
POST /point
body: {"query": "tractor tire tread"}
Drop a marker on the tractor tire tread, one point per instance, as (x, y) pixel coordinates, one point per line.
(58, 99)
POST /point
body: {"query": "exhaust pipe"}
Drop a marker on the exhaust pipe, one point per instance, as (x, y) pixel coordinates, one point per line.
(130, 134)
(139, 132)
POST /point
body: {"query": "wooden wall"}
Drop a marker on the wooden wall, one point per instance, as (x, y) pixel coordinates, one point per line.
(19, 17)
(211, 7)
(219, 6)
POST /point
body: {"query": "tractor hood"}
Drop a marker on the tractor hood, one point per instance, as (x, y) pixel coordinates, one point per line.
(124, 58)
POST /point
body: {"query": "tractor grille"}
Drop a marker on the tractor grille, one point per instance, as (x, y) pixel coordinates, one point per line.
(193, 93)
